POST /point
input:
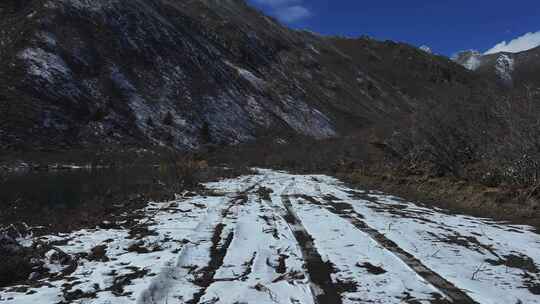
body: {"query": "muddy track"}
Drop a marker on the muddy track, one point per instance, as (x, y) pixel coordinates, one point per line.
(217, 255)
(322, 287)
(218, 251)
(346, 211)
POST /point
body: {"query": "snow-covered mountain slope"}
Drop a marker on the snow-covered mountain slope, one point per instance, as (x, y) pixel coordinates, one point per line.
(275, 237)
(470, 59)
(426, 49)
(186, 73)
(509, 69)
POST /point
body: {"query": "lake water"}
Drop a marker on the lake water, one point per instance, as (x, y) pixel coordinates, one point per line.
(69, 188)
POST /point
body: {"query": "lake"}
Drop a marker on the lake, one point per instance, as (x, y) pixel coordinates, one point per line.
(47, 197)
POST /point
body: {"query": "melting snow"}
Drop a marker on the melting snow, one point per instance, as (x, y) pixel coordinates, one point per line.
(255, 81)
(44, 64)
(242, 245)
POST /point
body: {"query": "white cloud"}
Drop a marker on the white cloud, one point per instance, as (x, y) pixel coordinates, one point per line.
(522, 43)
(287, 11)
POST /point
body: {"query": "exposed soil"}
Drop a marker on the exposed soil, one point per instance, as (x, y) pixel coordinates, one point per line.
(123, 280)
(469, 242)
(531, 273)
(217, 255)
(264, 193)
(25, 264)
(319, 271)
(372, 268)
(282, 263)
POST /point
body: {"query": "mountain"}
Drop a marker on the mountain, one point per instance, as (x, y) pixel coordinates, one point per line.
(195, 72)
(470, 59)
(509, 69)
(426, 49)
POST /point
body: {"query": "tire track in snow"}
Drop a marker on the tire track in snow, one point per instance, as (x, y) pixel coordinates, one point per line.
(322, 286)
(205, 277)
(171, 282)
(217, 255)
(260, 266)
(345, 211)
(220, 246)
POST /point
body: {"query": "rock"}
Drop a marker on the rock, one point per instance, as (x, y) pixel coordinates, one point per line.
(60, 257)
(8, 245)
(15, 262)
(138, 248)
(34, 276)
(15, 231)
(99, 253)
(106, 225)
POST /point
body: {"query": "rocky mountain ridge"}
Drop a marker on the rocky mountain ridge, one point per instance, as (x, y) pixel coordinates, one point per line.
(509, 69)
(187, 73)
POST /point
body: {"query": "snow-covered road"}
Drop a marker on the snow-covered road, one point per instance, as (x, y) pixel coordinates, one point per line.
(275, 237)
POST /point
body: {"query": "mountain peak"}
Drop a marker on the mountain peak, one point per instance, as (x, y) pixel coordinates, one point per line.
(508, 69)
(470, 59)
(426, 49)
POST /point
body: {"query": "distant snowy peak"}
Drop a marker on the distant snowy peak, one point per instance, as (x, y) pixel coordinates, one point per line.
(511, 70)
(470, 59)
(502, 64)
(426, 49)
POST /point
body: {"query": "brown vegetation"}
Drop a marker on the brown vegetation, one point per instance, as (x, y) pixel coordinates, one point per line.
(490, 140)
(479, 156)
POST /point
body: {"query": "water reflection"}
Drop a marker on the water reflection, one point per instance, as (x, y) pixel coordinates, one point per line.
(71, 188)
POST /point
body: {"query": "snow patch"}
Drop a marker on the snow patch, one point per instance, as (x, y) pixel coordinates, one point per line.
(472, 63)
(257, 82)
(45, 65)
(426, 49)
(504, 68)
(470, 59)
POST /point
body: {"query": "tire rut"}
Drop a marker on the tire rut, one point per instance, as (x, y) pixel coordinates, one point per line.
(218, 251)
(217, 255)
(319, 272)
(346, 211)
(161, 288)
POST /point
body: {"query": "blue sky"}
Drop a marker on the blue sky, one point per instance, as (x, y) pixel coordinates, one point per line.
(445, 26)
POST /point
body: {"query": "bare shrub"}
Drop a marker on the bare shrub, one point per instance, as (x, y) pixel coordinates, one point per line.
(519, 149)
(493, 139)
(444, 134)
(184, 168)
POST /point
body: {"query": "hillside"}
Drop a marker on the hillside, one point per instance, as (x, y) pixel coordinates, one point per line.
(75, 73)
